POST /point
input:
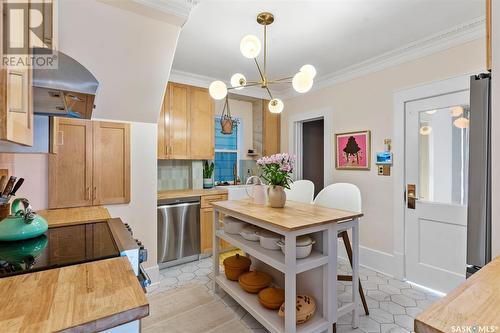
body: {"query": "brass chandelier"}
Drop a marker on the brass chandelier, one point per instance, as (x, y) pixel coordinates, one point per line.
(250, 47)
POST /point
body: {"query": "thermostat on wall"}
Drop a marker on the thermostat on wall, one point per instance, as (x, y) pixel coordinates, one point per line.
(384, 158)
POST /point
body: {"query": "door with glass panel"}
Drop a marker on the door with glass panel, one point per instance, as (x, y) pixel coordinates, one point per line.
(436, 163)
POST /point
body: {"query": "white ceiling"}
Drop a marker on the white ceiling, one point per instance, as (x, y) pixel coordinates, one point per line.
(331, 35)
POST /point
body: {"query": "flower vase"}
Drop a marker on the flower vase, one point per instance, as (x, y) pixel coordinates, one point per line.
(277, 196)
(208, 183)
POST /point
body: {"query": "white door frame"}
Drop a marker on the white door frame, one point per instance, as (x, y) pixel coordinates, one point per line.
(295, 139)
(401, 97)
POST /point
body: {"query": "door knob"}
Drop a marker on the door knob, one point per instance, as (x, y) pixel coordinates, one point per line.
(411, 197)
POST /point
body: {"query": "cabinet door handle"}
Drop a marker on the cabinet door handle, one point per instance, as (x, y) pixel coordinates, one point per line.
(60, 138)
(87, 193)
(94, 193)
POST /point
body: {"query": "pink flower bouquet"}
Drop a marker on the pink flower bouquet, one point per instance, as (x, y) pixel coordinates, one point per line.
(277, 169)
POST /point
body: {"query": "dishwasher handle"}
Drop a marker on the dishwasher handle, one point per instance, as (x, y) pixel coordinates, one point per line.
(184, 204)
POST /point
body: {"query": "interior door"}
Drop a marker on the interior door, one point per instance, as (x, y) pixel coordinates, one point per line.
(436, 162)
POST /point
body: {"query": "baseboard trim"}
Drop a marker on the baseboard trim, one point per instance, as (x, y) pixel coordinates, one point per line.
(378, 261)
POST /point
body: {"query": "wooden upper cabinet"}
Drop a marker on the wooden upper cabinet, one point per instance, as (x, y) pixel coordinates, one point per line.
(70, 170)
(202, 126)
(178, 121)
(16, 104)
(90, 164)
(271, 131)
(111, 165)
(164, 130)
(186, 123)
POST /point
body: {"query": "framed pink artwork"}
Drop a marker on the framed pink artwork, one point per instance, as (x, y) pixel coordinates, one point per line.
(353, 150)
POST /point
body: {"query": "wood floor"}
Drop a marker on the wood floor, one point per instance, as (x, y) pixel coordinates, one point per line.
(189, 309)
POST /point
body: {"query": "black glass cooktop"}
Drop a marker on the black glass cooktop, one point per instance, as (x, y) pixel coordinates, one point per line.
(58, 247)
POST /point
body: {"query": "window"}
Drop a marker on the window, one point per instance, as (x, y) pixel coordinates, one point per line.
(226, 153)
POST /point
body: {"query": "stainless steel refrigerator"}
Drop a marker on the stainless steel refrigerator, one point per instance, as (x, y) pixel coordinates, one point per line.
(479, 202)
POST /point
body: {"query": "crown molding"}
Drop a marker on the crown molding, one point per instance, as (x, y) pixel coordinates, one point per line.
(175, 12)
(441, 41)
(204, 81)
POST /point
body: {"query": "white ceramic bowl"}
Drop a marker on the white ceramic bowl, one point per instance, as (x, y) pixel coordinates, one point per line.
(233, 225)
(250, 233)
(303, 247)
(268, 239)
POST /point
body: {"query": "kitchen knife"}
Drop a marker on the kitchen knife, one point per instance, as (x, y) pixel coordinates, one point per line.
(9, 186)
(17, 186)
(2, 183)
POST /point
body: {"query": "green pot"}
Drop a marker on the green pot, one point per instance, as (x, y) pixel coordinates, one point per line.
(22, 223)
(23, 251)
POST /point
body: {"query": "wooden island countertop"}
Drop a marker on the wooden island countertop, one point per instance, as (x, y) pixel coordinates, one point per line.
(88, 297)
(294, 216)
(475, 303)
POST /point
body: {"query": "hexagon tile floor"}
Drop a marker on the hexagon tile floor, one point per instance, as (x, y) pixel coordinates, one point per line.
(393, 303)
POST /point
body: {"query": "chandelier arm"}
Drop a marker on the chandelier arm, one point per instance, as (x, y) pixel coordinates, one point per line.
(265, 50)
(269, 92)
(280, 81)
(283, 79)
(260, 71)
(246, 85)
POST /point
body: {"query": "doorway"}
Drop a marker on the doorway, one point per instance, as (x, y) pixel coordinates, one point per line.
(436, 169)
(312, 153)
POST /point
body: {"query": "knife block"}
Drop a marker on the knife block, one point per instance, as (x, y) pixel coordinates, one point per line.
(4, 211)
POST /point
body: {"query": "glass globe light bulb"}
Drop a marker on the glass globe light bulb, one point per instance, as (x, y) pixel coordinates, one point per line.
(425, 130)
(302, 82)
(250, 46)
(461, 122)
(276, 105)
(457, 111)
(217, 90)
(238, 81)
(309, 70)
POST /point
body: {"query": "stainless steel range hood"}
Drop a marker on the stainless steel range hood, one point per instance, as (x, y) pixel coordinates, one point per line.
(67, 91)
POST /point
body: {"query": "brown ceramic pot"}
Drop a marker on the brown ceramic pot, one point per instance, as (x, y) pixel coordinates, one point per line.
(236, 265)
(253, 282)
(272, 298)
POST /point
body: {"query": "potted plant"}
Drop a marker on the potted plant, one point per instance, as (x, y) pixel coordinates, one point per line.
(208, 171)
(276, 172)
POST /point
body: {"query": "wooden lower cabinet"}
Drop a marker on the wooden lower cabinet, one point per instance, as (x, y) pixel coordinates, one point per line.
(206, 229)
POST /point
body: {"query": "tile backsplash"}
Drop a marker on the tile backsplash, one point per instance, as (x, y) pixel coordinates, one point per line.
(185, 174)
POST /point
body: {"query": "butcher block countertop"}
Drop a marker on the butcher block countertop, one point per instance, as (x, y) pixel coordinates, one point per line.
(69, 216)
(174, 194)
(294, 216)
(474, 304)
(89, 297)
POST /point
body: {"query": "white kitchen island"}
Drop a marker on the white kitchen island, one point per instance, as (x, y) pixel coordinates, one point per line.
(315, 275)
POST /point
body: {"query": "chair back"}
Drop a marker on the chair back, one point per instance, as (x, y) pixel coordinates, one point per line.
(343, 196)
(301, 191)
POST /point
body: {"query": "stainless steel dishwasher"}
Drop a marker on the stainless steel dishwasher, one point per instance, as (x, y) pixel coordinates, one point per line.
(178, 231)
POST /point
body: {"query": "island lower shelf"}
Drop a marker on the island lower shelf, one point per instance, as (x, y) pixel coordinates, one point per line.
(268, 318)
(274, 258)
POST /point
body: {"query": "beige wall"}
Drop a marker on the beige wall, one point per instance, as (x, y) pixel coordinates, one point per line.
(130, 55)
(366, 103)
(496, 128)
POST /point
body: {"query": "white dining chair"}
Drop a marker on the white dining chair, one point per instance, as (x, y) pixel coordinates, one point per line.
(343, 196)
(301, 191)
